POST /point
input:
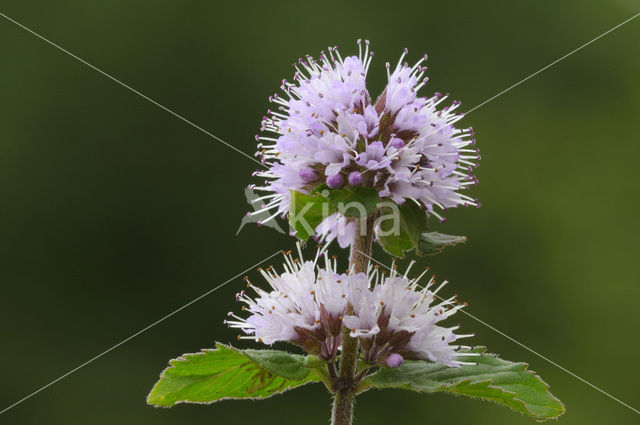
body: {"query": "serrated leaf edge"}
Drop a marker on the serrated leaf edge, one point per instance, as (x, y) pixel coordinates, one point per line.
(536, 376)
(482, 350)
(183, 358)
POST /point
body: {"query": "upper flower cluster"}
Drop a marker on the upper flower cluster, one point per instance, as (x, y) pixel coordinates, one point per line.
(326, 129)
(392, 316)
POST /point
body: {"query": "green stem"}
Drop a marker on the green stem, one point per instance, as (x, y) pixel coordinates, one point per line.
(345, 385)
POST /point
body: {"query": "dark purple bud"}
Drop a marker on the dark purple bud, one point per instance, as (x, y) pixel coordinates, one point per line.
(335, 181)
(355, 178)
(307, 175)
(394, 360)
(396, 142)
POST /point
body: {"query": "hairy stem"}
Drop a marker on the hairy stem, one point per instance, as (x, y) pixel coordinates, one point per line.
(345, 385)
(361, 248)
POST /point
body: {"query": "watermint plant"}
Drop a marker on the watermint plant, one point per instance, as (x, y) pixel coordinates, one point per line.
(324, 128)
(344, 168)
(391, 316)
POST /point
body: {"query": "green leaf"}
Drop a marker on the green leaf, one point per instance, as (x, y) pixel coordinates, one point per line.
(281, 363)
(314, 362)
(307, 212)
(493, 379)
(432, 243)
(401, 231)
(229, 373)
(354, 201)
(319, 189)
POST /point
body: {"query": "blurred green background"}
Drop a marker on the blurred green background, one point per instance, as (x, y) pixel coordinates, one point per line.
(113, 213)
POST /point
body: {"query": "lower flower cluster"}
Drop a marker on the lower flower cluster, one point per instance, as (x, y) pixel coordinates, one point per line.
(392, 316)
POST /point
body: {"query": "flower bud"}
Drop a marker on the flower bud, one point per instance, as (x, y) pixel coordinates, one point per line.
(355, 178)
(307, 175)
(336, 181)
(394, 360)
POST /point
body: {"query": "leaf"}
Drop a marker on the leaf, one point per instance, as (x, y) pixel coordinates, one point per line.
(307, 212)
(493, 379)
(401, 231)
(354, 201)
(314, 362)
(229, 373)
(281, 363)
(432, 243)
(319, 189)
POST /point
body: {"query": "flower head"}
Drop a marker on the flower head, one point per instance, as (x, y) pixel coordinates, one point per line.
(326, 129)
(392, 316)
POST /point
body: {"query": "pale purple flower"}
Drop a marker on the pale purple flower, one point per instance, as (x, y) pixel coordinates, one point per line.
(374, 157)
(398, 316)
(392, 316)
(325, 128)
(336, 226)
